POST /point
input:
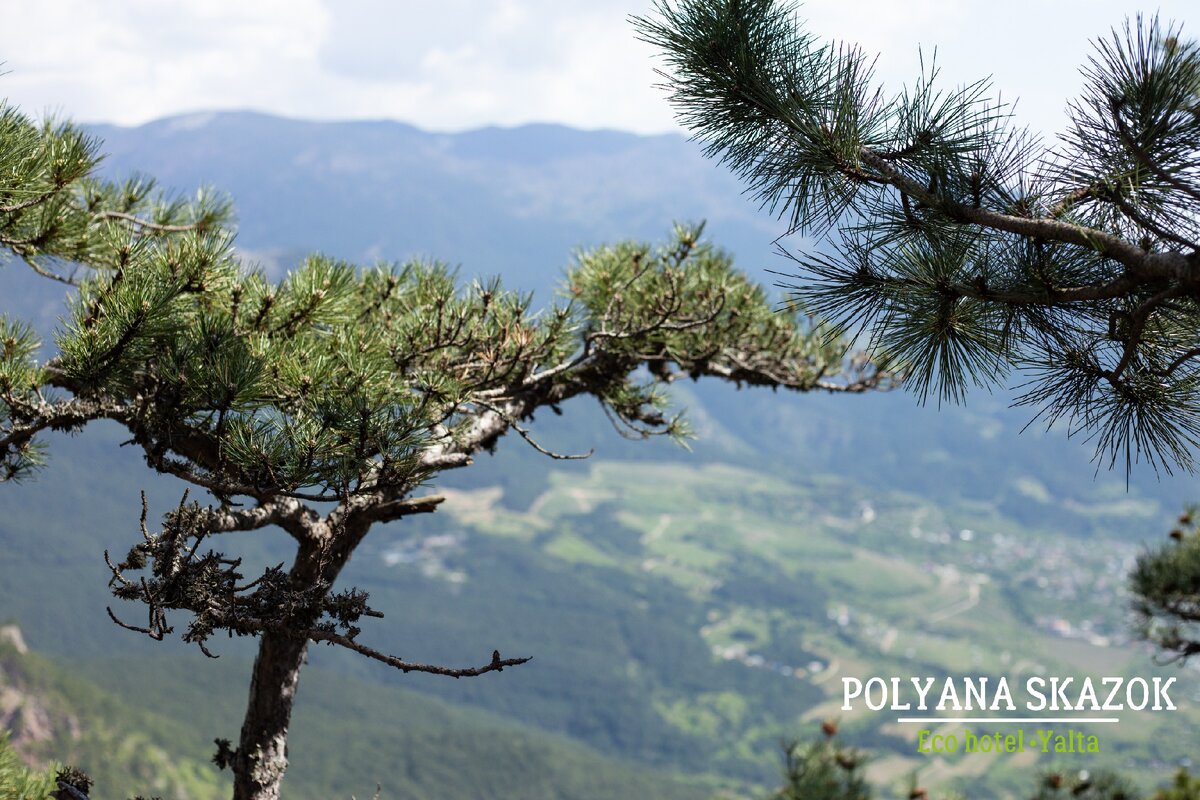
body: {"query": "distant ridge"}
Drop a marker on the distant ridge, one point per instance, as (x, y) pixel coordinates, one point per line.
(511, 201)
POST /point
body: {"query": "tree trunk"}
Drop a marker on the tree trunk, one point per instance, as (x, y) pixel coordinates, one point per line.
(261, 758)
(262, 749)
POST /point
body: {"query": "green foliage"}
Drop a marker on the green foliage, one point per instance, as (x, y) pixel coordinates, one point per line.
(962, 247)
(823, 770)
(60, 221)
(1165, 584)
(337, 386)
(19, 375)
(277, 374)
(19, 782)
(331, 380)
(1104, 785)
(1183, 787)
(57, 218)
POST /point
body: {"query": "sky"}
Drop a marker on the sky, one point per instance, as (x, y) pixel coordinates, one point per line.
(451, 65)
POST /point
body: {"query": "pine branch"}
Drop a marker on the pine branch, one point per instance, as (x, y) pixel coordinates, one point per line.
(389, 510)
(1143, 265)
(36, 200)
(138, 222)
(965, 252)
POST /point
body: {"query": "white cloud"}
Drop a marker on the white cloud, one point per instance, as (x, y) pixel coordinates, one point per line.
(455, 64)
(1031, 49)
(129, 62)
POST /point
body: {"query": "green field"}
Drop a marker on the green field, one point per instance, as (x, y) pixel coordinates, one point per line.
(790, 585)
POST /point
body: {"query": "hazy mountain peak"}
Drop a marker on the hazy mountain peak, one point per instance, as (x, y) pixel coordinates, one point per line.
(190, 122)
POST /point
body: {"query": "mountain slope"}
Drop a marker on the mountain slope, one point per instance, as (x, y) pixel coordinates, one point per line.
(52, 715)
(147, 730)
(369, 190)
(348, 736)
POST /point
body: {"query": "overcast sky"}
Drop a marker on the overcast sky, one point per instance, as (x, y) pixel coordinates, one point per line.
(457, 64)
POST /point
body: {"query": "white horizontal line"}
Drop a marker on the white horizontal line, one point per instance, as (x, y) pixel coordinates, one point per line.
(1072, 720)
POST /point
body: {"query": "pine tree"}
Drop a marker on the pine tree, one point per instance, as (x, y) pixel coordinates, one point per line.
(957, 244)
(321, 403)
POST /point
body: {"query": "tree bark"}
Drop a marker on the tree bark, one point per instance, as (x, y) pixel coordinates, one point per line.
(261, 758)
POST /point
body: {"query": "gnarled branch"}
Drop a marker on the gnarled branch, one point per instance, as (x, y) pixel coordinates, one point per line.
(497, 664)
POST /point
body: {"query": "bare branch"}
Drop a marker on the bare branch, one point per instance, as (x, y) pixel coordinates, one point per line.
(395, 509)
(455, 451)
(27, 418)
(153, 634)
(578, 360)
(1177, 363)
(524, 434)
(1071, 199)
(1137, 324)
(497, 664)
(45, 273)
(286, 512)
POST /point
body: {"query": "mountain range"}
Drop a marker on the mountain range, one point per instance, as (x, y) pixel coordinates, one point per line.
(662, 591)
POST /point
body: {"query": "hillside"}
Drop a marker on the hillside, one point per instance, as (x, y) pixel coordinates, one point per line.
(697, 615)
(52, 715)
(687, 617)
(151, 729)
